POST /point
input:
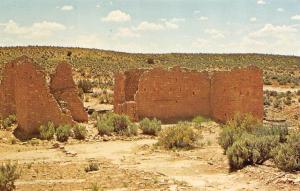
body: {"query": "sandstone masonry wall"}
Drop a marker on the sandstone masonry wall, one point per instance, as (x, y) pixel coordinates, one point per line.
(173, 95)
(65, 91)
(178, 94)
(239, 90)
(24, 92)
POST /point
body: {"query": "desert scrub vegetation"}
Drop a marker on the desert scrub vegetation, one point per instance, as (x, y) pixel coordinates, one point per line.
(63, 132)
(85, 85)
(287, 155)
(79, 131)
(180, 135)
(47, 131)
(8, 175)
(7, 122)
(92, 167)
(198, 120)
(114, 123)
(245, 142)
(150, 127)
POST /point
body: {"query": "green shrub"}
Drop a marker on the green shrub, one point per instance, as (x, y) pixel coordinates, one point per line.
(8, 122)
(234, 129)
(150, 127)
(287, 156)
(119, 124)
(251, 149)
(92, 167)
(199, 120)
(246, 141)
(63, 132)
(228, 136)
(132, 129)
(178, 136)
(103, 127)
(80, 132)
(85, 85)
(47, 131)
(8, 176)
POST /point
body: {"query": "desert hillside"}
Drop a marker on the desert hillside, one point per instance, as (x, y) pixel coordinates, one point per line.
(278, 70)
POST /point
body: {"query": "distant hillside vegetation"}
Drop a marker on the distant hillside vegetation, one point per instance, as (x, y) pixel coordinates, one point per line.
(101, 62)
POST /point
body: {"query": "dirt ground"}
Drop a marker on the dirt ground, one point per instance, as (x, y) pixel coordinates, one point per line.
(135, 164)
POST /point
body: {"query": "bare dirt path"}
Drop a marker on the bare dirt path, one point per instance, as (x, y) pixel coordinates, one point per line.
(203, 169)
(280, 89)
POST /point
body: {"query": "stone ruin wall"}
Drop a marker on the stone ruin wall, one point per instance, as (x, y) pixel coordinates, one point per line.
(65, 91)
(24, 92)
(180, 94)
(240, 90)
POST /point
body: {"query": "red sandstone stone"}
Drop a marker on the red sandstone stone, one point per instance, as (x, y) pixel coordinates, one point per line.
(63, 88)
(24, 92)
(179, 94)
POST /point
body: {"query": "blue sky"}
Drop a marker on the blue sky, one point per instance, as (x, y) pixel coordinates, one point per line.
(155, 26)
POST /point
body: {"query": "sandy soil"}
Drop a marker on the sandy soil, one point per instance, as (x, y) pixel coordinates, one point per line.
(130, 165)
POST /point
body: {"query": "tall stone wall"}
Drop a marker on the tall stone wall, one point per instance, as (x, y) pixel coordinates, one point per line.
(177, 94)
(119, 92)
(64, 89)
(7, 91)
(24, 92)
(239, 90)
(34, 103)
(173, 95)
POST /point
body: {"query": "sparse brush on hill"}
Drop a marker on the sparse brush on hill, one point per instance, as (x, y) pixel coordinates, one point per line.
(85, 85)
(101, 63)
(8, 176)
(150, 127)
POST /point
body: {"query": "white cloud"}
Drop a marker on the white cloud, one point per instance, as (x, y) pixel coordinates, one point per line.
(67, 8)
(202, 18)
(158, 26)
(200, 43)
(171, 25)
(261, 2)
(149, 26)
(253, 19)
(38, 30)
(280, 10)
(214, 33)
(98, 6)
(274, 31)
(295, 17)
(117, 16)
(177, 20)
(127, 32)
